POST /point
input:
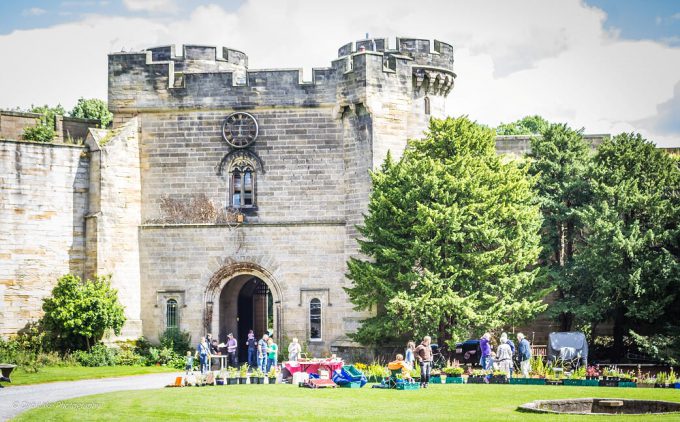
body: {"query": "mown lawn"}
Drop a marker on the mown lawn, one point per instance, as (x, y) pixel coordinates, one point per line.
(286, 402)
(72, 373)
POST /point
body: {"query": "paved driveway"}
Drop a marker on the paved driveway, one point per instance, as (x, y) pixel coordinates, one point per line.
(14, 400)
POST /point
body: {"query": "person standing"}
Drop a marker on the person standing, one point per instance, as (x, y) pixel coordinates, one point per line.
(252, 349)
(203, 352)
(485, 347)
(273, 351)
(424, 355)
(262, 352)
(189, 363)
(524, 355)
(232, 348)
(504, 356)
(294, 350)
(512, 348)
(410, 357)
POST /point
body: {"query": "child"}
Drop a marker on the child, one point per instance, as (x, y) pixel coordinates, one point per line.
(189, 367)
(398, 364)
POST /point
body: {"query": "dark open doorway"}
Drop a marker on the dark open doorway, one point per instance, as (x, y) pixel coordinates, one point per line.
(245, 304)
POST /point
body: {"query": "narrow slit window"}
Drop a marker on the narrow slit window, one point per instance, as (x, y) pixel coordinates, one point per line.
(427, 106)
(315, 319)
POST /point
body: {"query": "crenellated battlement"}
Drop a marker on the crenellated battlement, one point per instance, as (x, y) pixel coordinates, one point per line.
(212, 77)
(417, 49)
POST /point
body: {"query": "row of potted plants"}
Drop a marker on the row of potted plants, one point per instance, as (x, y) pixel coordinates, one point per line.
(233, 376)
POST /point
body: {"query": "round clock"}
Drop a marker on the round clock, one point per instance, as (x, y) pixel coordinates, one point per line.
(239, 129)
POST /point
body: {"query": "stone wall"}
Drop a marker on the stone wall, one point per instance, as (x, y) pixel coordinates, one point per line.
(43, 201)
(68, 129)
(114, 216)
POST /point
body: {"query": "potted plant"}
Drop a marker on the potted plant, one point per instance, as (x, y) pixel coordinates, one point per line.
(478, 376)
(498, 377)
(661, 380)
(257, 377)
(232, 374)
(672, 381)
(243, 374)
(220, 377)
(577, 377)
(435, 376)
(646, 382)
(454, 375)
(592, 373)
(272, 375)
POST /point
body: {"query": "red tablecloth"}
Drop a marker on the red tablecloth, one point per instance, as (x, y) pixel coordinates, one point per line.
(313, 367)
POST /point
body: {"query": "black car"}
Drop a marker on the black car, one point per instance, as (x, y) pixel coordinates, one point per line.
(468, 352)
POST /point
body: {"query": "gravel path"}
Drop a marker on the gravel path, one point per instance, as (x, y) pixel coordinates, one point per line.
(14, 400)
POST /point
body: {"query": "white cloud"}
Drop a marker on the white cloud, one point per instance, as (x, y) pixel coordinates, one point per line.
(33, 11)
(151, 5)
(512, 58)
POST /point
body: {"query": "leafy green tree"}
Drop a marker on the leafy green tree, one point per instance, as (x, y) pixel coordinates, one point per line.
(451, 238)
(79, 312)
(529, 125)
(44, 131)
(560, 160)
(92, 109)
(628, 270)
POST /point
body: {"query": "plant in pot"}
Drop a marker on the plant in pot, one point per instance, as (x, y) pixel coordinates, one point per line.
(435, 376)
(232, 375)
(272, 375)
(672, 381)
(478, 376)
(257, 377)
(220, 377)
(454, 375)
(592, 373)
(498, 377)
(661, 380)
(243, 374)
(646, 381)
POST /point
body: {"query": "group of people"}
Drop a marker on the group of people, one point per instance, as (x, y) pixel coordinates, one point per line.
(422, 353)
(505, 355)
(262, 353)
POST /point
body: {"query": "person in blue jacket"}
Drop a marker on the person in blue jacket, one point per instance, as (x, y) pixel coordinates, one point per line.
(524, 355)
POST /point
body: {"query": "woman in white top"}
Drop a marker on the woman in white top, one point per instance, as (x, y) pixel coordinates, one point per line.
(294, 350)
(504, 356)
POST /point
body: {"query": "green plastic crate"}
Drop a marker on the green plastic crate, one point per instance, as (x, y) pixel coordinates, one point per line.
(627, 384)
(591, 383)
(352, 384)
(575, 383)
(535, 381)
(350, 369)
(408, 386)
(454, 380)
(435, 379)
(522, 381)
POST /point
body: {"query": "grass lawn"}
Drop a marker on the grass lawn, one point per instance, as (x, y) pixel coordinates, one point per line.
(287, 402)
(72, 373)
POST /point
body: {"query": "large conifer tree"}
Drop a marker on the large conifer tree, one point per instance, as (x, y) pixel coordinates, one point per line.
(451, 238)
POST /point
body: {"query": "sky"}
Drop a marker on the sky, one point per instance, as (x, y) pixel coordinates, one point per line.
(608, 66)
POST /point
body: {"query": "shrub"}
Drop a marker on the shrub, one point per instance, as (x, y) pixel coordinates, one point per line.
(44, 130)
(99, 355)
(176, 339)
(79, 312)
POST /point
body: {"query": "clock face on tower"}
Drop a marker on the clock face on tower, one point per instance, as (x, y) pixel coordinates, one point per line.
(239, 129)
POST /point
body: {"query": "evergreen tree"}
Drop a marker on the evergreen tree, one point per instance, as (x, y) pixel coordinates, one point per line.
(560, 160)
(628, 269)
(451, 238)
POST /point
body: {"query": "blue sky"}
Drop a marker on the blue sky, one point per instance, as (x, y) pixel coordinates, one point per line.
(636, 19)
(609, 66)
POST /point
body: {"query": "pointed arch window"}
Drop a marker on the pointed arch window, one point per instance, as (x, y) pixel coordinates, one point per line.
(242, 184)
(171, 314)
(315, 319)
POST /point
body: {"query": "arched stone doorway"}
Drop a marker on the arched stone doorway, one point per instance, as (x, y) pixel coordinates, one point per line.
(245, 303)
(239, 297)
